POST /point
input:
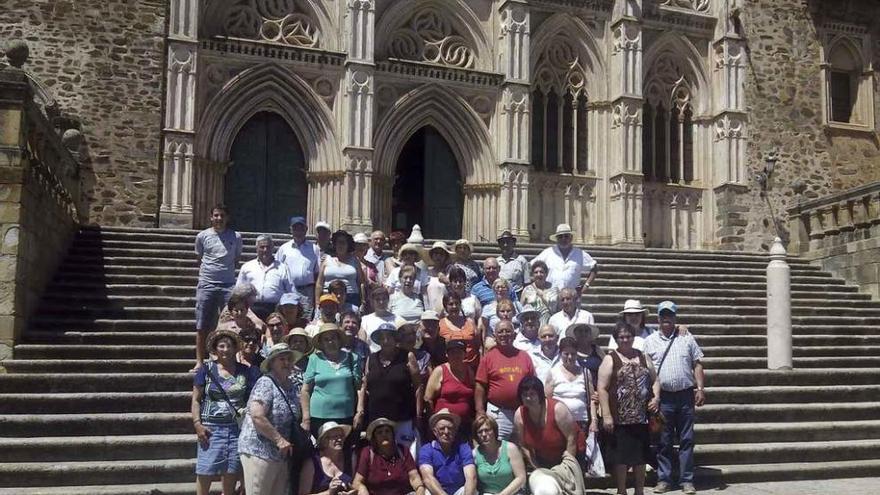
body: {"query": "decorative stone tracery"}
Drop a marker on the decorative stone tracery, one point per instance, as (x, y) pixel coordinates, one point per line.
(276, 21)
(701, 6)
(429, 36)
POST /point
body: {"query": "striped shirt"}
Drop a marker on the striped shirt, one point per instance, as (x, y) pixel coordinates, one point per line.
(677, 372)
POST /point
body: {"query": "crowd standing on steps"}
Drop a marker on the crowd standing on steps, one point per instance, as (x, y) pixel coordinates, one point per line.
(332, 367)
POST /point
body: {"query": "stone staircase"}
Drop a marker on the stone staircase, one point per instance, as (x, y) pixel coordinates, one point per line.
(97, 399)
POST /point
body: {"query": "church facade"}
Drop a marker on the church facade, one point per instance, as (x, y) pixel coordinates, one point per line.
(637, 122)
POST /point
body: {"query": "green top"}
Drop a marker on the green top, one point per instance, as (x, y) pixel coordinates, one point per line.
(333, 385)
(493, 478)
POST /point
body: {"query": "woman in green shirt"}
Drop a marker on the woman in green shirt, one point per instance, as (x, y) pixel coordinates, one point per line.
(500, 466)
(332, 383)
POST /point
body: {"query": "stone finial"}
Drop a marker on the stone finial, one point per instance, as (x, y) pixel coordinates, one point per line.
(416, 236)
(17, 53)
(777, 250)
(798, 186)
(72, 139)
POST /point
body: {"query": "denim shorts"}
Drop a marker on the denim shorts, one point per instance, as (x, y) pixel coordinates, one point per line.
(221, 456)
(209, 303)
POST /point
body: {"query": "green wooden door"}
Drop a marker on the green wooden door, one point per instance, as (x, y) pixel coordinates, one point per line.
(266, 183)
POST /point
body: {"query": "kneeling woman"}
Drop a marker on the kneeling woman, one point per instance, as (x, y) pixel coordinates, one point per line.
(386, 467)
(331, 469)
(500, 466)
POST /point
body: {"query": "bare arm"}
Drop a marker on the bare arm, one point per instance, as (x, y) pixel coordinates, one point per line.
(700, 377)
(518, 438)
(203, 433)
(415, 482)
(470, 480)
(430, 480)
(480, 398)
(257, 411)
(319, 284)
(412, 365)
(305, 404)
(605, 371)
(432, 389)
(519, 470)
(594, 420)
(567, 426)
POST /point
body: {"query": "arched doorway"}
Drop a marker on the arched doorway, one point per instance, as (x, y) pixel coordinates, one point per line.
(427, 187)
(266, 183)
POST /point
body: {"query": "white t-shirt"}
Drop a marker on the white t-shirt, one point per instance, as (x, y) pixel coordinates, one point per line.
(560, 321)
(566, 272)
(571, 393)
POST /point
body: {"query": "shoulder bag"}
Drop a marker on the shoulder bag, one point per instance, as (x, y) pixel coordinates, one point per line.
(238, 413)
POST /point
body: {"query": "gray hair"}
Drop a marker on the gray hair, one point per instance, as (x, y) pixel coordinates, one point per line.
(264, 237)
(491, 261)
(244, 291)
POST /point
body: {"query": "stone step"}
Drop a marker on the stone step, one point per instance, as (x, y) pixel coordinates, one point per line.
(95, 402)
(183, 488)
(759, 432)
(93, 382)
(745, 378)
(785, 452)
(801, 351)
(99, 365)
(832, 286)
(91, 424)
(712, 475)
(95, 472)
(770, 413)
(799, 362)
(94, 448)
(799, 394)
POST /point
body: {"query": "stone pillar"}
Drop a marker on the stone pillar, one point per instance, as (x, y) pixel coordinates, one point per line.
(358, 109)
(180, 103)
(778, 309)
(515, 201)
(209, 175)
(625, 136)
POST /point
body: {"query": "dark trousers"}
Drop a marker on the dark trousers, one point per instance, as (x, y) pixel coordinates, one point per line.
(678, 409)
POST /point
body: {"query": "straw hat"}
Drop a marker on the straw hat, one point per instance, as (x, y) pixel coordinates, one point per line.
(572, 330)
(330, 426)
(561, 229)
(276, 351)
(409, 247)
(444, 414)
(327, 328)
(298, 332)
(220, 333)
(376, 423)
(633, 306)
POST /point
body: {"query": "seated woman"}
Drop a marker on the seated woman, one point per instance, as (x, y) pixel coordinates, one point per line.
(385, 467)
(409, 255)
(548, 437)
(237, 315)
(331, 470)
(541, 294)
(470, 305)
(491, 313)
(500, 466)
(338, 288)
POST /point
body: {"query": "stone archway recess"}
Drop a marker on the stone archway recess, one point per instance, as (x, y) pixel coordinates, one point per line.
(469, 139)
(270, 88)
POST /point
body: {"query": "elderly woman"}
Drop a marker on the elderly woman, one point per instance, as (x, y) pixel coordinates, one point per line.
(540, 294)
(407, 303)
(385, 467)
(625, 386)
(342, 264)
(351, 327)
(548, 437)
(298, 340)
(237, 314)
(456, 326)
(331, 468)
(220, 391)
(332, 384)
(451, 385)
(276, 330)
(501, 288)
(251, 354)
(396, 240)
(269, 431)
(440, 260)
(369, 323)
(409, 255)
(464, 261)
(572, 384)
(447, 464)
(500, 466)
(391, 380)
(470, 305)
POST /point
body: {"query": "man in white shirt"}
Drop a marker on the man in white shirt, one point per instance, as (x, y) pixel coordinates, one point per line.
(267, 275)
(566, 262)
(300, 257)
(376, 255)
(545, 357)
(527, 337)
(569, 300)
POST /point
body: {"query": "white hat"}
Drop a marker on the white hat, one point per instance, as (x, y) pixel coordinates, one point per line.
(322, 225)
(361, 238)
(561, 229)
(633, 306)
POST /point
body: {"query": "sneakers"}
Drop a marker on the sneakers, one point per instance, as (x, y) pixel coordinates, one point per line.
(688, 488)
(662, 487)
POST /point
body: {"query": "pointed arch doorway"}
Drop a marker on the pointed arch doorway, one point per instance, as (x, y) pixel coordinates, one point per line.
(427, 187)
(266, 183)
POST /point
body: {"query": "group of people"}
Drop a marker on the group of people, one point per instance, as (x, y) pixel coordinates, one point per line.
(333, 367)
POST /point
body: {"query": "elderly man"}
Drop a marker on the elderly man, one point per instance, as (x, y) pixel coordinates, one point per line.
(322, 239)
(447, 464)
(301, 257)
(571, 313)
(566, 262)
(527, 337)
(514, 267)
(677, 359)
(498, 377)
(375, 257)
(267, 275)
(545, 357)
(482, 290)
(218, 249)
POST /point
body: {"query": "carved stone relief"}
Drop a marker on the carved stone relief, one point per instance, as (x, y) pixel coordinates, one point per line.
(277, 21)
(429, 36)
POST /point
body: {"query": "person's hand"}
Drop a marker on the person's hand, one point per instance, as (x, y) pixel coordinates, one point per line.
(284, 447)
(594, 426)
(204, 435)
(306, 423)
(608, 424)
(683, 331)
(336, 486)
(594, 397)
(700, 397)
(654, 405)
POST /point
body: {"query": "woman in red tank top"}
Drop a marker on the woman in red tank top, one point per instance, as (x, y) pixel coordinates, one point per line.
(451, 384)
(544, 426)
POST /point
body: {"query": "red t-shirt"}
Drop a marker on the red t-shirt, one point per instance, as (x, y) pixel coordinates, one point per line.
(502, 372)
(384, 477)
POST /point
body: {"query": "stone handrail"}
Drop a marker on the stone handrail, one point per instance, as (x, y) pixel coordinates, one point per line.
(824, 223)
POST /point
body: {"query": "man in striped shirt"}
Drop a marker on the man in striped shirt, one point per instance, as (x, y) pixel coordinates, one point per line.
(681, 389)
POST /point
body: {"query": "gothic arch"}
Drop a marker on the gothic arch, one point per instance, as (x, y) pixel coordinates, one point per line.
(562, 28)
(453, 32)
(673, 52)
(304, 23)
(271, 88)
(842, 52)
(460, 126)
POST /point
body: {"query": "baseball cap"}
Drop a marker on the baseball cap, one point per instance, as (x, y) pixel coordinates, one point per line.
(328, 298)
(322, 225)
(667, 306)
(297, 220)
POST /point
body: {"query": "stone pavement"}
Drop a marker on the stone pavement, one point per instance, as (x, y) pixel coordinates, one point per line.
(851, 486)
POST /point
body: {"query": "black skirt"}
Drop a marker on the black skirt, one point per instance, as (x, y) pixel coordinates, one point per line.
(630, 445)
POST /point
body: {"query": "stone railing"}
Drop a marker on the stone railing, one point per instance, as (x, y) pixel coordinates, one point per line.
(842, 233)
(40, 198)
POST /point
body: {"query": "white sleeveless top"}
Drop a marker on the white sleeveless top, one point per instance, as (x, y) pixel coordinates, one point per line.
(571, 393)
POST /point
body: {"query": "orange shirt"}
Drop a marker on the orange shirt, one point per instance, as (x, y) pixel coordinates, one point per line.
(468, 334)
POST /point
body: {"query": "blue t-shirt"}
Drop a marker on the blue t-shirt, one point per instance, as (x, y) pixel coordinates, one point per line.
(215, 410)
(449, 470)
(219, 253)
(482, 290)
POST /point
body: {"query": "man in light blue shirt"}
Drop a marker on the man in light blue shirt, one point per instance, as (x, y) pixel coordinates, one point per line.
(267, 275)
(301, 258)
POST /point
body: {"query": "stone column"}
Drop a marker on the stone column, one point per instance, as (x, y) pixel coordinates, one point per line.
(358, 114)
(625, 143)
(779, 341)
(180, 102)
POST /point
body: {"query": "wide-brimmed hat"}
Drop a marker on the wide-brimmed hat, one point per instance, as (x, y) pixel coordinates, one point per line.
(667, 306)
(327, 328)
(504, 235)
(464, 242)
(526, 310)
(633, 306)
(383, 327)
(444, 414)
(572, 330)
(376, 423)
(561, 229)
(330, 426)
(409, 247)
(278, 350)
(301, 332)
(361, 238)
(218, 334)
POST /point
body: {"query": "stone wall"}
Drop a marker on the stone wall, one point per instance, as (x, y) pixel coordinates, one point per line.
(784, 99)
(103, 61)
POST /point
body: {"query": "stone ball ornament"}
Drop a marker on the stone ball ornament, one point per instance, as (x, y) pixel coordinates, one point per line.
(17, 53)
(72, 139)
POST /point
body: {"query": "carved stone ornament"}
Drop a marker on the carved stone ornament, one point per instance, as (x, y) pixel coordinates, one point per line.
(429, 36)
(560, 68)
(697, 5)
(514, 20)
(728, 128)
(625, 114)
(627, 38)
(667, 85)
(278, 21)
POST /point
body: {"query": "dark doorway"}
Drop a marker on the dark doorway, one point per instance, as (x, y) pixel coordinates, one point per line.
(266, 183)
(427, 187)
